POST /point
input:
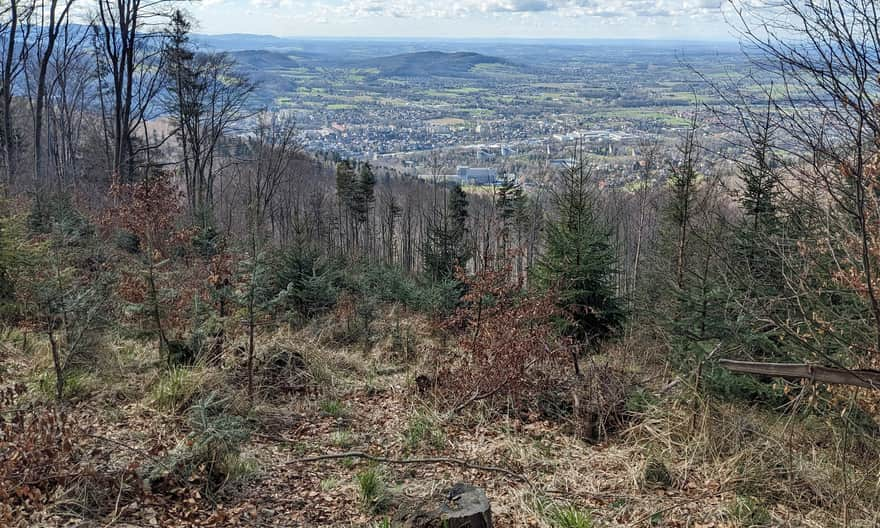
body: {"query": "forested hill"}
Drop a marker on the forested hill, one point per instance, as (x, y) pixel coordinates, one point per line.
(432, 63)
(260, 60)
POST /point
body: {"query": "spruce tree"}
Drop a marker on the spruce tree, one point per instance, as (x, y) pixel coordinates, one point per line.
(363, 196)
(579, 261)
(759, 204)
(510, 203)
(693, 301)
(446, 247)
(345, 185)
(345, 189)
(756, 262)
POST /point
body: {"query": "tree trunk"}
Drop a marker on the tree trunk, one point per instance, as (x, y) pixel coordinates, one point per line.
(56, 362)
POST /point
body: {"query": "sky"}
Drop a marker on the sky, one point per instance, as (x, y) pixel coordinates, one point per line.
(555, 19)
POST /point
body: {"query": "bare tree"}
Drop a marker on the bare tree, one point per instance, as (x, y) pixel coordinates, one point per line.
(15, 34)
(824, 57)
(207, 97)
(649, 151)
(52, 18)
(128, 45)
(68, 95)
(269, 156)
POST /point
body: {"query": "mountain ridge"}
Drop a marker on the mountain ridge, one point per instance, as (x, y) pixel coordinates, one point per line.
(432, 63)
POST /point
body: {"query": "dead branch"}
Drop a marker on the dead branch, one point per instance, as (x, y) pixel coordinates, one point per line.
(859, 378)
(477, 396)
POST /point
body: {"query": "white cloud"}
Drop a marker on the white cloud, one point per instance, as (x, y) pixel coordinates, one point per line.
(459, 18)
(464, 8)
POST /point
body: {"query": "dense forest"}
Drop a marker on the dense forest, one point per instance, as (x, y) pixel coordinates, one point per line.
(203, 324)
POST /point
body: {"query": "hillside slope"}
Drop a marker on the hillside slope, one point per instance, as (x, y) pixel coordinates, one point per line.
(433, 64)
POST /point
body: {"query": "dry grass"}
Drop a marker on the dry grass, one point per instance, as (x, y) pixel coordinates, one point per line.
(727, 464)
(781, 461)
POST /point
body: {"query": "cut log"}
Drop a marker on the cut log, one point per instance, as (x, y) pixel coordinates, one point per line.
(462, 506)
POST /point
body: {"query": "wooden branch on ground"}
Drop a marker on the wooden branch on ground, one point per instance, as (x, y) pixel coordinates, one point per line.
(869, 379)
(435, 460)
(646, 519)
(477, 396)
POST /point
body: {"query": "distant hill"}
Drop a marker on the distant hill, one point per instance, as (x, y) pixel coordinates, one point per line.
(264, 60)
(431, 63)
(243, 41)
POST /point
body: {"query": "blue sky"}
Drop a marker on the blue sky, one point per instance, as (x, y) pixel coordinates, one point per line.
(647, 19)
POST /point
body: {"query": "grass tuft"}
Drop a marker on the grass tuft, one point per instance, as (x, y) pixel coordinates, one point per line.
(748, 512)
(343, 439)
(570, 516)
(423, 429)
(372, 489)
(334, 408)
(77, 384)
(176, 388)
(657, 474)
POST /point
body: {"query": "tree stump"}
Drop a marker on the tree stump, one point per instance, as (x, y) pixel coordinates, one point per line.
(462, 506)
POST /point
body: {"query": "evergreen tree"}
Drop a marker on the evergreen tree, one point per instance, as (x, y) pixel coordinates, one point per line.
(694, 303)
(510, 203)
(345, 187)
(345, 182)
(579, 261)
(183, 87)
(458, 215)
(446, 247)
(693, 236)
(759, 203)
(757, 266)
(363, 194)
(683, 186)
(366, 186)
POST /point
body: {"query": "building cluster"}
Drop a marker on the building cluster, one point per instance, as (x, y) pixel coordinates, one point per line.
(466, 176)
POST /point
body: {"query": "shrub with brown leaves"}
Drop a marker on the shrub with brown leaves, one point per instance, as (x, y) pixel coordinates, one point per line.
(507, 343)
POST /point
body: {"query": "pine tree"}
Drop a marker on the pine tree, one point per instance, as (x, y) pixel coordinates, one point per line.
(446, 247)
(366, 194)
(758, 201)
(579, 261)
(345, 182)
(345, 188)
(510, 203)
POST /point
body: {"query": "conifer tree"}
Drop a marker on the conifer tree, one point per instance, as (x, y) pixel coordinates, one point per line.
(756, 264)
(683, 186)
(510, 202)
(362, 203)
(366, 195)
(446, 247)
(758, 199)
(579, 261)
(345, 187)
(344, 181)
(694, 236)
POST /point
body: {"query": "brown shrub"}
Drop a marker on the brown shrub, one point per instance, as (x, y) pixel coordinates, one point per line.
(506, 341)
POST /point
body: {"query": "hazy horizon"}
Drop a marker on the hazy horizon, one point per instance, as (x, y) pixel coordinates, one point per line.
(463, 19)
(730, 40)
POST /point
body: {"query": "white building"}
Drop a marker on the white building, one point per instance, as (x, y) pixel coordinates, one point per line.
(477, 176)
(465, 176)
